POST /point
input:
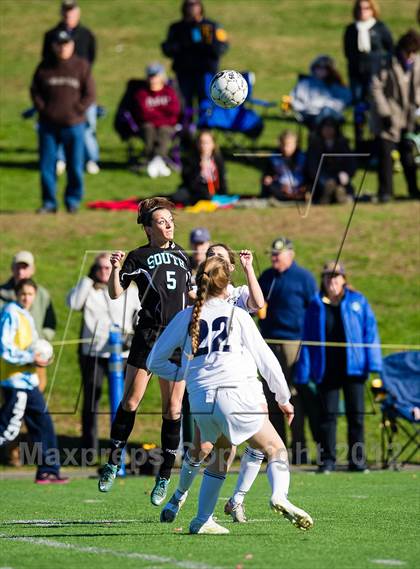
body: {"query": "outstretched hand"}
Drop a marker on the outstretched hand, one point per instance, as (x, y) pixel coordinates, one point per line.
(246, 259)
(116, 259)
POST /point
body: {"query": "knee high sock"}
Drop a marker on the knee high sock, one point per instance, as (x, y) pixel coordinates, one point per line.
(250, 467)
(209, 494)
(188, 473)
(121, 428)
(279, 478)
(170, 436)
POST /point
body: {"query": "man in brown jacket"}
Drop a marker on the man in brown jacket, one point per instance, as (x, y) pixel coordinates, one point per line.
(395, 100)
(62, 89)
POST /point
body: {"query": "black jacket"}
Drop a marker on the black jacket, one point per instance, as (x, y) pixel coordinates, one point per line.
(194, 182)
(84, 40)
(331, 165)
(363, 65)
(195, 47)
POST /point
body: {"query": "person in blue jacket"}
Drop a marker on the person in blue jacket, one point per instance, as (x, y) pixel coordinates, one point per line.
(339, 314)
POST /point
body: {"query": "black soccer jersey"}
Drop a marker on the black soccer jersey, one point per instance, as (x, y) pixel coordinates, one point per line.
(163, 279)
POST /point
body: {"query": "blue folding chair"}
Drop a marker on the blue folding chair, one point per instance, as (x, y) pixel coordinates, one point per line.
(399, 395)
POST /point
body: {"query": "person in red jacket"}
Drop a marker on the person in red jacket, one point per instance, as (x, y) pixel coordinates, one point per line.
(157, 109)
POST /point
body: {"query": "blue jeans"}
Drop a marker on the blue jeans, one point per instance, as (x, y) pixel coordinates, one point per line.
(72, 138)
(91, 142)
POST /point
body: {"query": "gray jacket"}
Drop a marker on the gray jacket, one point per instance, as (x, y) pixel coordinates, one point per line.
(395, 94)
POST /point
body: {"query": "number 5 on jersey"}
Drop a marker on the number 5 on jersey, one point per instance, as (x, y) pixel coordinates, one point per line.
(170, 280)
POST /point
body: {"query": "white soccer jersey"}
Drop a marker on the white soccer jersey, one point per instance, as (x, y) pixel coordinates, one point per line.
(226, 335)
(238, 296)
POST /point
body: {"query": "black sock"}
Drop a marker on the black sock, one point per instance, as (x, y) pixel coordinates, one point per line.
(121, 428)
(170, 436)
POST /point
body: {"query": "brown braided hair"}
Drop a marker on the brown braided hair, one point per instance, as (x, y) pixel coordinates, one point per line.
(212, 278)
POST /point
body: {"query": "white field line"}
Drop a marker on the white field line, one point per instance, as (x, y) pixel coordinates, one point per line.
(104, 551)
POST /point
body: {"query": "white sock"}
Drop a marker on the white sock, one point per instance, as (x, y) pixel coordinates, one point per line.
(279, 478)
(250, 467)
(189, 471)
(209, 494)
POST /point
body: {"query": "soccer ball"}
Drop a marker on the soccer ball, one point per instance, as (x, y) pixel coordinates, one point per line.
(44, 349)
(228, 89)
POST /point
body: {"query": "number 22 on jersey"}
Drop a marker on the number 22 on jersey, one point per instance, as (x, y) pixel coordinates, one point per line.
(219, 335)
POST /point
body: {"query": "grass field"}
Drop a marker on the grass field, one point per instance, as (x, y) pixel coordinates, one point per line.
(360, 521)
(382, 247)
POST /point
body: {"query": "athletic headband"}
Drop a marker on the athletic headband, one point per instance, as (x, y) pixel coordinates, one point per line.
(148, 215)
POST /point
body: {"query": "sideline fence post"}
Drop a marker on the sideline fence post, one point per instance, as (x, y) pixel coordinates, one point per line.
(116, 379)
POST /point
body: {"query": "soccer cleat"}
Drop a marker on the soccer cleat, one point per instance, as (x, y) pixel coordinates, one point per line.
(51, 478)
(299, 518)
(108, 475)
(210, 527)
(159, 491)
(237, 511)
(171, 510)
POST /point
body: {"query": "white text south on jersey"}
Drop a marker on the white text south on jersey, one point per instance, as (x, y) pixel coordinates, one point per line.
(163, 279)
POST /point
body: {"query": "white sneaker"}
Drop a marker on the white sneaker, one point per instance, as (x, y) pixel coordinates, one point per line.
(153, 168)
(210, 527)
(299, 518)
(60, 167)
(237, 511)
(171, 509)
(162, 167)
(92, 167)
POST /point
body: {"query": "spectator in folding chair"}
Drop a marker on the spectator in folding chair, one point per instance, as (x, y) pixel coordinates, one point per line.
(156, 109)
(284, 175)
(339, 314)
(323, 89)
(203, 172)
(195, 44)
(368, 48)
(335, 172)
(19, 384)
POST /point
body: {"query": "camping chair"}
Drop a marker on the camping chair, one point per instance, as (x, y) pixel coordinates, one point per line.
(231, 122)
(399, 395)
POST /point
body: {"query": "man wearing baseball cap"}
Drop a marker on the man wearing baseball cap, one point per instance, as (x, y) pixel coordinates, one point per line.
(84, 47)
(42, 310)
(199, 242)
(288, 289)
(62, 90)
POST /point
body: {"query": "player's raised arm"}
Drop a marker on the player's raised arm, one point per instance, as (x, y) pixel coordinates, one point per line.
(256, 297)
(114, 285)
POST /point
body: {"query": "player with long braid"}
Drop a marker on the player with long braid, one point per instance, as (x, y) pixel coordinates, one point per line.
(250, 298)
(227, 402)
(161, 272)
